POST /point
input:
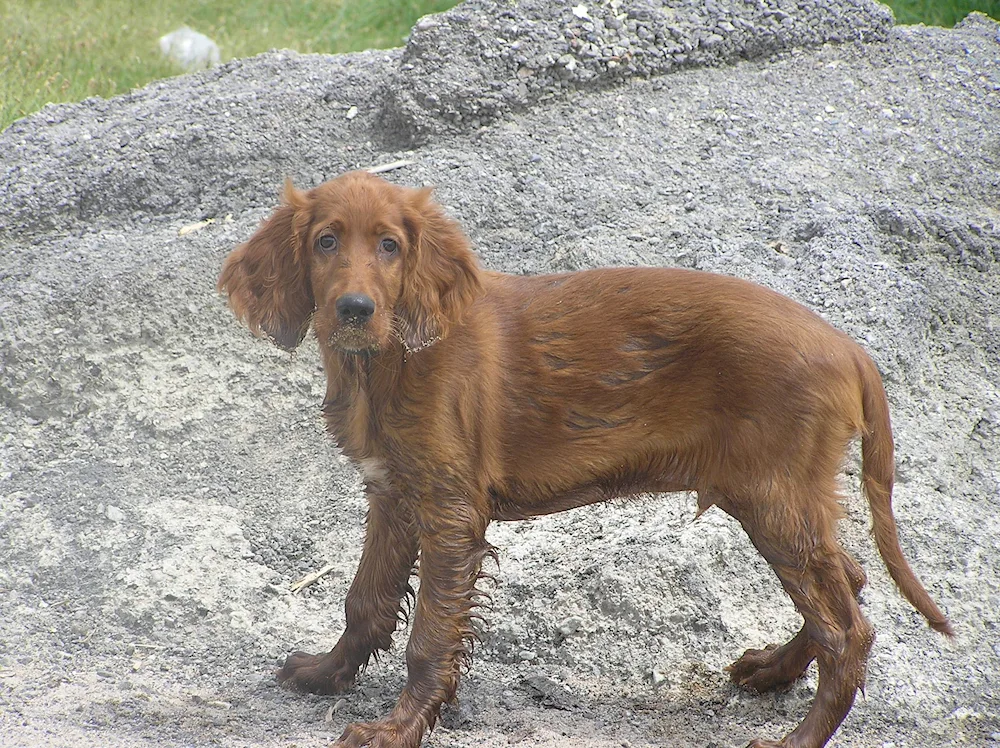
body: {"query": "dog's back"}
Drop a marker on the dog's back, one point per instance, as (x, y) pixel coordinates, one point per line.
(703, 380)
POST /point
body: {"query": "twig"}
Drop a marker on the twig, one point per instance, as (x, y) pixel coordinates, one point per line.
(311, 578)
(192, 227)
(389, 167)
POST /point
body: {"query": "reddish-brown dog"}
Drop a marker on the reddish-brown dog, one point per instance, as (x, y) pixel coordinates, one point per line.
(466, 396)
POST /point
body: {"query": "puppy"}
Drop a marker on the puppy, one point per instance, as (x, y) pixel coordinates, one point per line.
(466, 396)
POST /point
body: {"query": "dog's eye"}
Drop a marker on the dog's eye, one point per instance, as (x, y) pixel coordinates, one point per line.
(327, 243)
(389, 246)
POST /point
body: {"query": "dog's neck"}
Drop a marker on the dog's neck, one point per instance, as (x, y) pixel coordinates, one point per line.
(361, 388)
(350, 372)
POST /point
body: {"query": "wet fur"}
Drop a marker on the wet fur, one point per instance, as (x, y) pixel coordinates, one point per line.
(473, 396)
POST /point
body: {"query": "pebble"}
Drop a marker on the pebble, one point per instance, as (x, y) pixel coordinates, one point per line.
(568, 627)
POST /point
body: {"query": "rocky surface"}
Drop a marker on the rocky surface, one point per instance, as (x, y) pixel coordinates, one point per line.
(164, 477)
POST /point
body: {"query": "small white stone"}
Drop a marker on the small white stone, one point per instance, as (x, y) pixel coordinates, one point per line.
(189, 49)
(568, 62)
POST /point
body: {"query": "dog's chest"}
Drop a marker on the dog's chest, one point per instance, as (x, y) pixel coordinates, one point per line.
(373, 470)
(352, 423)
(364, 423)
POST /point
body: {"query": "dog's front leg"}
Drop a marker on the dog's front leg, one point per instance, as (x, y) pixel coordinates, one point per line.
(373, 602)
(452, 548)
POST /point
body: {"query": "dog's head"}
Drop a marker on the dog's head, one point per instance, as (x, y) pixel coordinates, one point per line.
(367, 261)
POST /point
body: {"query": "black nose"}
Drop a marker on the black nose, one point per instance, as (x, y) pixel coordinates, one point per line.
(355, 307)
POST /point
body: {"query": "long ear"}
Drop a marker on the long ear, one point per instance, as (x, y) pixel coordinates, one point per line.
(440, 275)
(267, 278)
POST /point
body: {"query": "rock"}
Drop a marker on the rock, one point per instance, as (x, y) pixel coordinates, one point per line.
(568, 627)
(189, 49)
(550, 693)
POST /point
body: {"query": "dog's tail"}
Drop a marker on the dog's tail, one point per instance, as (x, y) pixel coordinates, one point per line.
(877, 472)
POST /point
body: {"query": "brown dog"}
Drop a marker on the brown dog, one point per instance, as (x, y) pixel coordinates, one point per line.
(466, 396)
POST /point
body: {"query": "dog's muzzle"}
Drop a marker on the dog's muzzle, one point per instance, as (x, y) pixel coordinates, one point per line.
(354, 309)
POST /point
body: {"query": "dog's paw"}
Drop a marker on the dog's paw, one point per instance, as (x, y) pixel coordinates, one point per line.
(767, 744)
(761, 670)
(322, 674)
(382, 734)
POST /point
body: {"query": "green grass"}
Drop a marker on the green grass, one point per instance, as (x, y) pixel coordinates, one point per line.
(55, 51)
(941, 12)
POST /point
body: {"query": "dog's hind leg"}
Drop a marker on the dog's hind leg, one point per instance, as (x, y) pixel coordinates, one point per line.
(797, 540)
(775, 668)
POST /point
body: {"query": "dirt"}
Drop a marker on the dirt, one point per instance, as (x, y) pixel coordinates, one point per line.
(164, 477)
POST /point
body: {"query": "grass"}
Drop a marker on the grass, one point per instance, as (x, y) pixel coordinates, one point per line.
(56, 51)
(941, 12)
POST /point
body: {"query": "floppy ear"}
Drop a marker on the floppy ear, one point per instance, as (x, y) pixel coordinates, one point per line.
(267, 278)
(440, 273)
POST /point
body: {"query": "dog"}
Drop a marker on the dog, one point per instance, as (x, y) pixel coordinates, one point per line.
(465, 396)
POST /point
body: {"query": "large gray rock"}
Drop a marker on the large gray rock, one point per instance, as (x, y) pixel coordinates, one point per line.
(164, 477)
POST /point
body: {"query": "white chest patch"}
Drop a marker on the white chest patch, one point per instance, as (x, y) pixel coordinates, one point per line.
(373, 470)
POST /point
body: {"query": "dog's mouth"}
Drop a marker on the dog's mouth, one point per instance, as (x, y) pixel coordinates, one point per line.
(353, 339)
